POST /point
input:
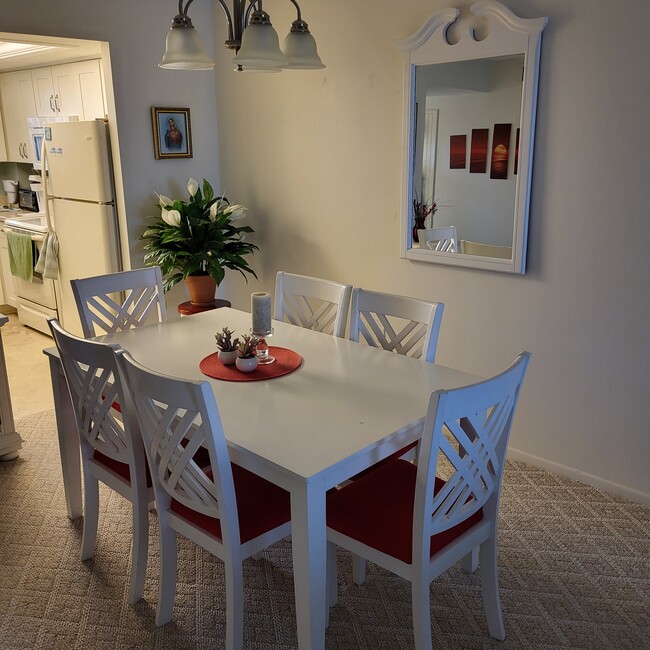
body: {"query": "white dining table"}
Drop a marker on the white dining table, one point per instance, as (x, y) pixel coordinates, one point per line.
(346, 407)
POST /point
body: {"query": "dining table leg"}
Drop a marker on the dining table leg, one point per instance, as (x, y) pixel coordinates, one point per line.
(68, 439)
(308, 540)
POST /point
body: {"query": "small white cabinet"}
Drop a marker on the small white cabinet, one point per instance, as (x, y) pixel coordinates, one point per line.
(17, 95)
(10, 440)
(70, 89)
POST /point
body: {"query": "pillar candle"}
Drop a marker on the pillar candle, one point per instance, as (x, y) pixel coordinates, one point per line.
(261, 311)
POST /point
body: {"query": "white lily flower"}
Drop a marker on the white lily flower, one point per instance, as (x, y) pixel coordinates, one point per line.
(236, 211)
(192, 187)
(218, 206)
(164, 200)
(171, 217)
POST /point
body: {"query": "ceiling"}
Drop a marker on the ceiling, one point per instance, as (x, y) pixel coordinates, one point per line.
(18, 51)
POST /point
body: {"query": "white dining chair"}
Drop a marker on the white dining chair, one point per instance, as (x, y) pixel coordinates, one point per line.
(485, 250)
(312, 303)
(119, 301)
(111, 448)
(419, 520)
(442, 239)
(226, 509)
(399, 324)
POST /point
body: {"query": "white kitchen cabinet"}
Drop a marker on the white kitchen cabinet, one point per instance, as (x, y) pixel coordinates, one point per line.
(43, 92)
(17, 95)
(68, 90)
(8, 288)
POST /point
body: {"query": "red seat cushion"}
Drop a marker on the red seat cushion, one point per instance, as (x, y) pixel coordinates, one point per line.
(395, 456)
(261, 506)
(377, 510)
(119, 468)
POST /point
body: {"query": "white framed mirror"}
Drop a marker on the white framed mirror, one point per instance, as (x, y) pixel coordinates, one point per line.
(470, 94)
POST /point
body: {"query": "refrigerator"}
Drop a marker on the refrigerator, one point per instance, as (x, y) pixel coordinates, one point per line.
(80, 201)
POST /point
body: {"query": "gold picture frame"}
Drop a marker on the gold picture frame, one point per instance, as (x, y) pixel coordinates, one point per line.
(172, 132)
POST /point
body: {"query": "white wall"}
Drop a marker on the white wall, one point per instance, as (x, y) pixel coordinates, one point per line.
(316, 156)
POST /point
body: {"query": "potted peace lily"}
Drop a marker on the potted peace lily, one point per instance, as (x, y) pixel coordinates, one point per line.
(197, 240)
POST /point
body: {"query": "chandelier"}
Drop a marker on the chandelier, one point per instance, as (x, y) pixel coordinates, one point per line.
(250, 35)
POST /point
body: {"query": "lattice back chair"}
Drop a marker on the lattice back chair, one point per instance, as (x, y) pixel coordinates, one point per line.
(312, 303)
(119, 301)
(111, 448)
(443, 239)
(224, 508)
(404, 325)
(414, 523)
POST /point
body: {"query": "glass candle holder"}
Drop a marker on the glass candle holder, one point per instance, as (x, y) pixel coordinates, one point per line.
(263, 356)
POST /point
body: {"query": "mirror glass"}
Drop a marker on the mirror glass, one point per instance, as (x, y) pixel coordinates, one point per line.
(468, 138)
(470, 178)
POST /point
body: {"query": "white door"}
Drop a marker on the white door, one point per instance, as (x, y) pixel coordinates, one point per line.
(88, 246)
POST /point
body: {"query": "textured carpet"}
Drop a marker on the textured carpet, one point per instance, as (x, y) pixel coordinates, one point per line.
(574, 568)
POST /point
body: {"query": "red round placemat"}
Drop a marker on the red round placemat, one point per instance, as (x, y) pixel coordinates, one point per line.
(286, 361)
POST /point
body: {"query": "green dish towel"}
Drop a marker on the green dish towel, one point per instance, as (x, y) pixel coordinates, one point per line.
(21, 255)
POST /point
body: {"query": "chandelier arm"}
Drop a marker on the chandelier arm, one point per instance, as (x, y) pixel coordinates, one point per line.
(250, 8)
(295, 4)
(229, 18)
(187, 6)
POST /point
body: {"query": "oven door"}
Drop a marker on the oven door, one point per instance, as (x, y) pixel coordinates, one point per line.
(40, 290)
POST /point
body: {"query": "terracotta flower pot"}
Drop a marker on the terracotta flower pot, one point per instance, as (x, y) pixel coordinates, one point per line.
(202, 289)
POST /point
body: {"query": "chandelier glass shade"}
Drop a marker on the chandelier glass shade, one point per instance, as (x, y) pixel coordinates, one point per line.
(250, 34)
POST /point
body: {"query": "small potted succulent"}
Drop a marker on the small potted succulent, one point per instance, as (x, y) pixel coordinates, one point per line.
(247, 353)
(227, 346)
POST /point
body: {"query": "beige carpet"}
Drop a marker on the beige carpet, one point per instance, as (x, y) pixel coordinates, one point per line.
(574, 566)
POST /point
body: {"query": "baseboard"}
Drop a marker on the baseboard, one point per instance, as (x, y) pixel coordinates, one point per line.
(583, 477)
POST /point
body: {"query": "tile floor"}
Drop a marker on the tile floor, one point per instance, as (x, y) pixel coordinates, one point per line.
(27, 368)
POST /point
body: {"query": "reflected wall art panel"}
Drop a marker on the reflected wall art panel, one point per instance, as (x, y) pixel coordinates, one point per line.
(457, 151)
(500, 151)
(478, 153)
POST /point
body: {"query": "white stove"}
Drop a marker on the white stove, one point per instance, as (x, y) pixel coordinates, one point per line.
(31, 221)
(36, 300)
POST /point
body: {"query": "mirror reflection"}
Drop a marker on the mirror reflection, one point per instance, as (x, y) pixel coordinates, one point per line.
(465, 164)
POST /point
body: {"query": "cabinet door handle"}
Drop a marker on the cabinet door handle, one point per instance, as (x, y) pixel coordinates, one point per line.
(52, 104)
(56, 103)
(20, 150)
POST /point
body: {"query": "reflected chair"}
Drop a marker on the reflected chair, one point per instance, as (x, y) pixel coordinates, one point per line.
(111, 448)
(312, 303)
(443, 239)
(485, 250)
(225, 509)
(119, 301)
(410, 520)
